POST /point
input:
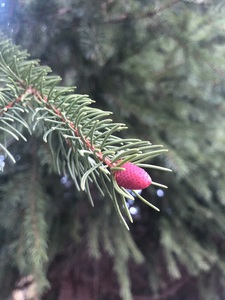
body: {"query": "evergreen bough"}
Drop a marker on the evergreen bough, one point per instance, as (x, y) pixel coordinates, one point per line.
(82, 142)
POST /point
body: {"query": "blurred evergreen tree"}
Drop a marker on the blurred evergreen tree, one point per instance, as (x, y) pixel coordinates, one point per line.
(159, 65)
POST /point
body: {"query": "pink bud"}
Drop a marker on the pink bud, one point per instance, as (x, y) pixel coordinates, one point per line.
(133, 177)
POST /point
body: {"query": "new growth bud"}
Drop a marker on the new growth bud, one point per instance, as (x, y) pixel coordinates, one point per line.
(133, 177)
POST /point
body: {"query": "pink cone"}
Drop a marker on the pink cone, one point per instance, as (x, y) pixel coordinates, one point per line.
(133, 177)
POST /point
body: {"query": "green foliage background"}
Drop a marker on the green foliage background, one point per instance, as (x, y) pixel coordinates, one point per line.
(159, 66)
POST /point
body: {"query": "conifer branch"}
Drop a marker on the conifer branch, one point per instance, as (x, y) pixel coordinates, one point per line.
(148, 14)
(81, 138)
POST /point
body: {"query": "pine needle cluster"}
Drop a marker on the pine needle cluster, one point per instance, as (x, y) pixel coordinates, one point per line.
(82, 143)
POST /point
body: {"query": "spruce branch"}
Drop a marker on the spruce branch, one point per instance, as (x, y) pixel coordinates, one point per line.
(81, 138)
(24, 224)
(125, 16)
